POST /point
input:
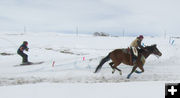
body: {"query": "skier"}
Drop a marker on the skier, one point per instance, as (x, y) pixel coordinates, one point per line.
(22, 54)
(134, 47)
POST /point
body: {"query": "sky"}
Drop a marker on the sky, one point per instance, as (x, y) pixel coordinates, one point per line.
(89, 16)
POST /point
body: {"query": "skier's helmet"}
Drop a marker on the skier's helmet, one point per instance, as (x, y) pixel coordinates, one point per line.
(25, 42)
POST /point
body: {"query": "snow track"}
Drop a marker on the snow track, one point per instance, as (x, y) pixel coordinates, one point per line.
(68, 52)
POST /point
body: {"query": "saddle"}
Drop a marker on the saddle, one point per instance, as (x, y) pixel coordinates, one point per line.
(133, 54)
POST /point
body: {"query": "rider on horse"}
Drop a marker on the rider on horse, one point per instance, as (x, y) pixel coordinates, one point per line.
(135, 45)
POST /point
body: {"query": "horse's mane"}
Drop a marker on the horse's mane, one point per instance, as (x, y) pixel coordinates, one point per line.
(149, 48)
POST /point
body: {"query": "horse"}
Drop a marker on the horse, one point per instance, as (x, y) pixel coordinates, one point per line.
(123, 55)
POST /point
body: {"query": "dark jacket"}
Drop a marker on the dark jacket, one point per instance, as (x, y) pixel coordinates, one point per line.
(22, 48)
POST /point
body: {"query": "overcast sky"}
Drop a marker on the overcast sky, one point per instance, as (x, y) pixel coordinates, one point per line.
(111, 16)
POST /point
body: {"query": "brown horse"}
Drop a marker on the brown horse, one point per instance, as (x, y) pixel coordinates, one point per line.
(119, 56)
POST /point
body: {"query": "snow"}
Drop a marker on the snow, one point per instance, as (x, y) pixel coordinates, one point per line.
(79, 90)
(72, 74)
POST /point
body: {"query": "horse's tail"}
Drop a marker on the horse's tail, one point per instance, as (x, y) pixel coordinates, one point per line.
(107, 58)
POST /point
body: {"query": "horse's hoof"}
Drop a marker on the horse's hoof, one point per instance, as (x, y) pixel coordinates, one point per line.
(120, 73)
(128, 76)
(138, 72)
(113, 71)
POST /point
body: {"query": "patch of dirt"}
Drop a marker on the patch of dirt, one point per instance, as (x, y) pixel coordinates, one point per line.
(66, 51)
(6, 54)
(49, 48)
(15, 34)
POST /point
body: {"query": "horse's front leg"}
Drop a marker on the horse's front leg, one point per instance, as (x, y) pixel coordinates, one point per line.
(138, 72)
(141, 68)
(134, 68)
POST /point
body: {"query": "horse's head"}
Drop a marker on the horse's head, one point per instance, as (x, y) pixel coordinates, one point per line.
(155, 50)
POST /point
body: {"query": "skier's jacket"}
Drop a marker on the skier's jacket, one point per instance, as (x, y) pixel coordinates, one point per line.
(22, 48)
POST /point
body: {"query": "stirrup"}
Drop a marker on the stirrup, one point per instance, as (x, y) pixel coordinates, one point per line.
(133, 62)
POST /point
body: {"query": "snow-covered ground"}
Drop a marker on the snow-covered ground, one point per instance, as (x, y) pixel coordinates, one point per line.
(68, 51)
(78, 90)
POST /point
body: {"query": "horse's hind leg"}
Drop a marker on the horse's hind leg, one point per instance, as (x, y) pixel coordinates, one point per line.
(115, 67)
(111, 64)
(115, 62)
